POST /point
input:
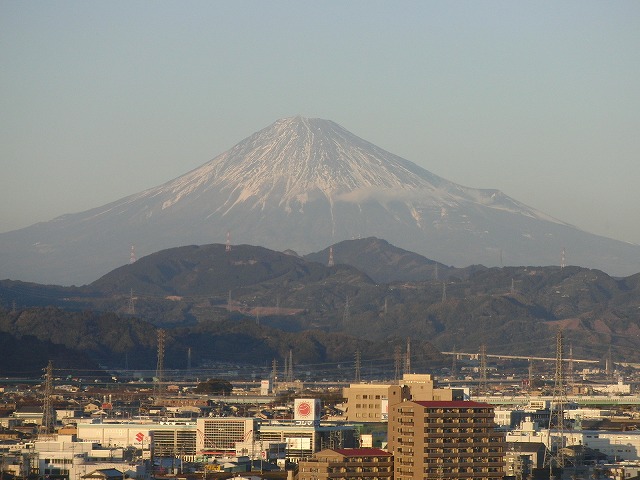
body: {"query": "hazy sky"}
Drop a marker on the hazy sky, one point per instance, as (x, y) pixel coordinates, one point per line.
(539, 99)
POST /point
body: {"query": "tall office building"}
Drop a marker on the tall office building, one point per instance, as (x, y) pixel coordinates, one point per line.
(445, 440)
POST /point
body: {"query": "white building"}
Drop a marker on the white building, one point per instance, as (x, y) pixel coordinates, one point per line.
(61, 455)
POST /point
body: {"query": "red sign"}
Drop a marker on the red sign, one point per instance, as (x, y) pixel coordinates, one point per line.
(139, 436)
(304, 409)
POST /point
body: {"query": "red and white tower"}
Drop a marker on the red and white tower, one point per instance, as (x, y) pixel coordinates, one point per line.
(132, 255)
(227, 248)
(331, 262)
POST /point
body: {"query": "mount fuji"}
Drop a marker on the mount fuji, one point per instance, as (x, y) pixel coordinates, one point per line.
(304, 184)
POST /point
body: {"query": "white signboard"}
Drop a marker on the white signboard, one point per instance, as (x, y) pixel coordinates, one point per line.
(306, 409)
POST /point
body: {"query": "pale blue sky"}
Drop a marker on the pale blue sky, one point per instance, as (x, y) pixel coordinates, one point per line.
(539, 99)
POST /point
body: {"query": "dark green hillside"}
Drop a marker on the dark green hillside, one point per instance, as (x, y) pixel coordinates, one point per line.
(384, 262)
(28, 356)
(90, 339)
(220, 304)
(207, 270)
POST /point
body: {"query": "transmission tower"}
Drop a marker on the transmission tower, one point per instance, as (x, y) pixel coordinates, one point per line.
(290, 372)
(407, 357)
(482, 385)
(274, 371)
(570, 373)
(285, 370)
(397, 360)
(132, 303)
(357, 379)
(554, 454)
(160, 366)
(346, 316)
(454, 366)
(47, 408)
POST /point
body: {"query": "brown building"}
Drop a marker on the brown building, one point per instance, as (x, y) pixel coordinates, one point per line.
(370, 402)
(445, 440)
(347, 463)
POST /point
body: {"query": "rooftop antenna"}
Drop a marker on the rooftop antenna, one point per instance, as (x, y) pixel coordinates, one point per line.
(227, 247)
(331, 262)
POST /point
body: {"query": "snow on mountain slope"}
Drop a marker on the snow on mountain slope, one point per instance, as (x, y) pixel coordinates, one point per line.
(305, 184)
(297, 160)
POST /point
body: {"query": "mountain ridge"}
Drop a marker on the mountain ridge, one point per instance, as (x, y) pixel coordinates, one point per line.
(303, 184)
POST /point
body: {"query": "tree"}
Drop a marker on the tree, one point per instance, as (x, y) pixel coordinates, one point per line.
(215, 386)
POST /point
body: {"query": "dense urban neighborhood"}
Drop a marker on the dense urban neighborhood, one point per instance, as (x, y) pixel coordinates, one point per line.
(479, 418)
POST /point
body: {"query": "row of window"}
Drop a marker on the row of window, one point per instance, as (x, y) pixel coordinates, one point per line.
(369, 405)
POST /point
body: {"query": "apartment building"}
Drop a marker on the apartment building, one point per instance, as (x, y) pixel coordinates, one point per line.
(445, 440)
(369, 402)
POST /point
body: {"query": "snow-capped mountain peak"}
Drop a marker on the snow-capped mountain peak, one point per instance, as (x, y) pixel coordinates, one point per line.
(303, 184)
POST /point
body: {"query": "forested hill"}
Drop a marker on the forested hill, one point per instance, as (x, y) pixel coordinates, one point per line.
(206, 296)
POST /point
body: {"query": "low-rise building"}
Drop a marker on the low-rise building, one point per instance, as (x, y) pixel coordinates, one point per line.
(352, 463)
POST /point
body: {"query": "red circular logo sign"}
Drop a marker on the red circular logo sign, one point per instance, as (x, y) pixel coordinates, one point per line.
(304, 409)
